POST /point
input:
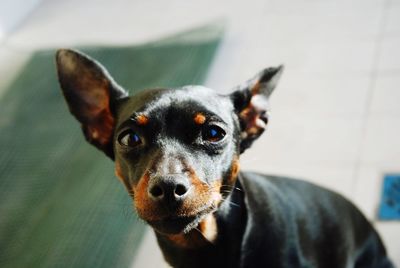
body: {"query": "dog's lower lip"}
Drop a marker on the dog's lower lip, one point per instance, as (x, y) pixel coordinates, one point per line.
(173, 224)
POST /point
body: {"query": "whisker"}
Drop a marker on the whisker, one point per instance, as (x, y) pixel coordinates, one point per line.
(230, 202)
(198, 230)
(234, 204)
(232, 187)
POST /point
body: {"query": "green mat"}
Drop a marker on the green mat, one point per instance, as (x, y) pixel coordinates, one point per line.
(60, 203)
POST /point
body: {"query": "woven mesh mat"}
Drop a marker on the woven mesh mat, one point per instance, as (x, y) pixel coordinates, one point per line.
(60, 203)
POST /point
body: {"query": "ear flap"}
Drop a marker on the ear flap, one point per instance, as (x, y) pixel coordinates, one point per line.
(91, 94)
(251, 104)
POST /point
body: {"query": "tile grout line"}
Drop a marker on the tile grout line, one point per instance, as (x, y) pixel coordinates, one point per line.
(370, 93)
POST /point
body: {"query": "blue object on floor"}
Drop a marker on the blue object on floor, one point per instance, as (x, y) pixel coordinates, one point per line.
(390, 200)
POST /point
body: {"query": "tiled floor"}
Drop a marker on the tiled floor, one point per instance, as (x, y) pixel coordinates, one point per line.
(336, 113)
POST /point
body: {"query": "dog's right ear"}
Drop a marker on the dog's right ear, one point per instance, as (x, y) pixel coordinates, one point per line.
(250, 101)
(91, 94)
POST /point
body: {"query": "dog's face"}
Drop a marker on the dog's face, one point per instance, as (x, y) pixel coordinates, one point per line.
(175, 150)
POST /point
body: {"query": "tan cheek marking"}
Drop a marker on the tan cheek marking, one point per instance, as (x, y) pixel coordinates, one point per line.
(142, 120)
(208, 228)
(199, 119)
(146, 208)
(230, 179)
(216, 196)
(141, 198)
(118, 171)
(204, 193)
(120, 176)
(235, 168)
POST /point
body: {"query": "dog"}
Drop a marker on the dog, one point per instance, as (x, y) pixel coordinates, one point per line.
(177, 153)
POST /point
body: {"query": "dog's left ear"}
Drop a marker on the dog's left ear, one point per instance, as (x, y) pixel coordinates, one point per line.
(251, 104)
(91, 94)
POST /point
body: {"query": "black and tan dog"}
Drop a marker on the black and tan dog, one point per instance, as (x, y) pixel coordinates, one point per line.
(177, 153)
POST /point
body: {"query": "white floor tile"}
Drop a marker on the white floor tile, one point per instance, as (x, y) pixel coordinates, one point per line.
(323, 7)
(392, 23)
(338, 178)
(389, 57)
(293, 138)
(382, 143)
(393, 3)
(390, 233)
(386, 95)
(318, 26)
(121, 22)
(317, 96)
(340, 57)
(93, 22)
(321, 58)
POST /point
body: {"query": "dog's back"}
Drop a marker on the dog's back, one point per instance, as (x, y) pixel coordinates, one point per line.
(312, 227)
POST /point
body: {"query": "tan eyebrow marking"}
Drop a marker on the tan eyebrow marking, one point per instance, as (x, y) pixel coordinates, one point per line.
(199, 119)
(141, 119)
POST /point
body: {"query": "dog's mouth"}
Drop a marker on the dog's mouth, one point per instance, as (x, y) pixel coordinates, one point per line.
(174, 225)
(179, 224)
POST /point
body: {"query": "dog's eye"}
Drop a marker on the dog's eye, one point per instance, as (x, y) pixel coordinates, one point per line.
(130, 139)
(213, 133)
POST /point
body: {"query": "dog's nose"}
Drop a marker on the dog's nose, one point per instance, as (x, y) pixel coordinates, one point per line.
(169, 188)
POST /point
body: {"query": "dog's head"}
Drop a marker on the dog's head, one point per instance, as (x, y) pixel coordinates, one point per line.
(175, 150)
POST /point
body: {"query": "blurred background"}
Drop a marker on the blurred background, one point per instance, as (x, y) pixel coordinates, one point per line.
(335, 114)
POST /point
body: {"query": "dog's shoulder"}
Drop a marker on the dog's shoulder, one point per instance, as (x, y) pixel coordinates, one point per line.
(286, 192)
(286, 199)
(300, 213)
